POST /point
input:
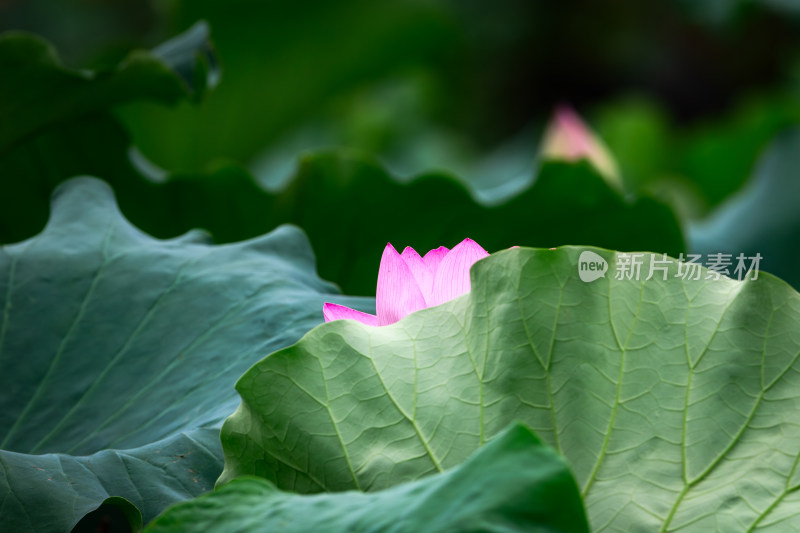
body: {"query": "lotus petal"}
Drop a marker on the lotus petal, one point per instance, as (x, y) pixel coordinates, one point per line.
(452, 276)
(434, 257)
(398, 293)
(421, 271)
(341, 312)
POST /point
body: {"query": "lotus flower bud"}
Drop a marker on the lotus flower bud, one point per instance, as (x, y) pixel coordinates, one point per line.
(568, 138)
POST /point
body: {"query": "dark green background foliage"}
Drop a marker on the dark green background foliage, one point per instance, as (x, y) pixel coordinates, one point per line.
(329, 194)
(359, 123)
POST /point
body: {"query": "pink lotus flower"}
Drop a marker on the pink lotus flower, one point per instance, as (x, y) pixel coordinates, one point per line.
(408, 282)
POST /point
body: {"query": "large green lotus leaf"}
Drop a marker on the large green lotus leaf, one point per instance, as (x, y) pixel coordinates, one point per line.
(513, 484)
(118, 355)
(676, 401)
